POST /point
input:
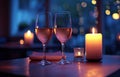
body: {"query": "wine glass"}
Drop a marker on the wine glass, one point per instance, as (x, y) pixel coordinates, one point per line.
(43, 31)
(63, 31)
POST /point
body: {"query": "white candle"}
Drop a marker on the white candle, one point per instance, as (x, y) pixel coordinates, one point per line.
(28, 37)
(93, 44)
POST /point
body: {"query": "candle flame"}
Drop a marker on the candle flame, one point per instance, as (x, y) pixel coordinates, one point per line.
(28, 32)
(94, 30)
(79, 53)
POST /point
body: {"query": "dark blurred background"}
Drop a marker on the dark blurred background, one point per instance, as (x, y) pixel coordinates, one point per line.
(17, 16)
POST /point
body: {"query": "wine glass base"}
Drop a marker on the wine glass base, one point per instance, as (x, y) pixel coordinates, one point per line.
(63, 61)
(44, 62)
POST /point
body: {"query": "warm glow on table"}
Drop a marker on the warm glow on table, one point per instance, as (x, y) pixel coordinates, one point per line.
(28, 37)
(93, 44)
(25, 67)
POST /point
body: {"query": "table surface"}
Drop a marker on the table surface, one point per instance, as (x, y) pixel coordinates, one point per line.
(26, 68)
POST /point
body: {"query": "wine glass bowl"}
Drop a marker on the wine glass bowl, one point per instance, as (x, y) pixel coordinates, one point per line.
(43, 31)
(63, 34)
(63, 31)
(43, 34)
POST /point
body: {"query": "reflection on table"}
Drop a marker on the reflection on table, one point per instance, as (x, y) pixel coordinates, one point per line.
(27, 68)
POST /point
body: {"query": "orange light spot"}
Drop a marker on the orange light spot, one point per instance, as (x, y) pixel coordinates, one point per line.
(21, 42)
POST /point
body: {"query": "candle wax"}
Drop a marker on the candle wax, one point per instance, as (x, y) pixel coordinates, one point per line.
(93, 44)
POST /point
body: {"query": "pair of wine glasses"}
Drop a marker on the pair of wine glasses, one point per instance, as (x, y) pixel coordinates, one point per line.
(44, 29)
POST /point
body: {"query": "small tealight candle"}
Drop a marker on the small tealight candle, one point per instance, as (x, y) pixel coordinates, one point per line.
(78, 52)
(28, 37)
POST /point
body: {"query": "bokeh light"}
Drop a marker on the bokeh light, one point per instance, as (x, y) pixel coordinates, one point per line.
(115, 16)
(93, 2)
(84, 4)
(107, 12)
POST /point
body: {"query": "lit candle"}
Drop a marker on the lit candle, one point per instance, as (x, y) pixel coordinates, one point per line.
(93, 44)
(78, 52)
(28, 37)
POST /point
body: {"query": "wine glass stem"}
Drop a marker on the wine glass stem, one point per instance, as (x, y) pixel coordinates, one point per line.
(62, 50)
(44, 51)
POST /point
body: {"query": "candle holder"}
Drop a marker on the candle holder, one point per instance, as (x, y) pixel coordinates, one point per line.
(79, 54)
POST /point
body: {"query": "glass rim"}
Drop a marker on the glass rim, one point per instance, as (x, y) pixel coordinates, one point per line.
(50, 15)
